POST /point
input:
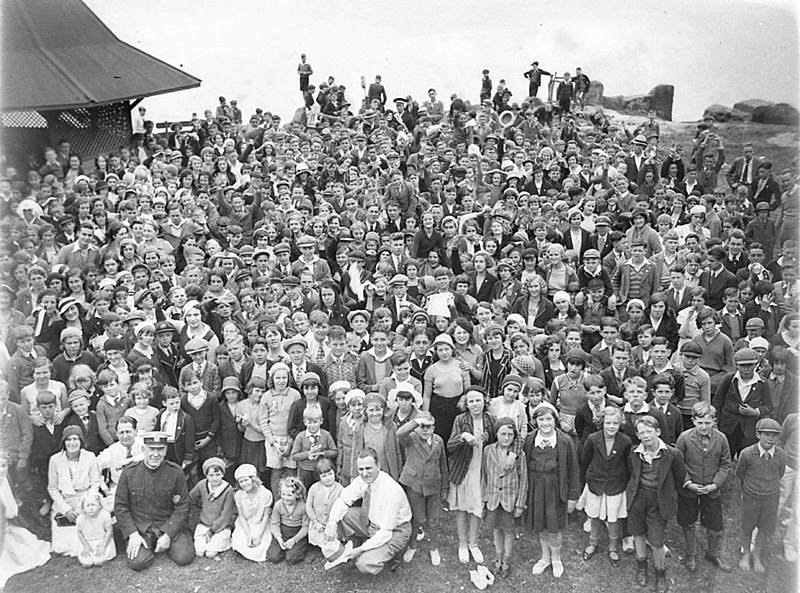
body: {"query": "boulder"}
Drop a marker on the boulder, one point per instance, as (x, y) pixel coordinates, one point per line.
(594, 96)
(749, 105)
(780, 113)
(722, 113)
(659, 99)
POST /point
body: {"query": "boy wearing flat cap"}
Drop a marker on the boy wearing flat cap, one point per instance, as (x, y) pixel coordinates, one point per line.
(760, 469)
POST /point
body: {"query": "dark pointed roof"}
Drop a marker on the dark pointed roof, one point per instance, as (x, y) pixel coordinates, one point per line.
(57, 54)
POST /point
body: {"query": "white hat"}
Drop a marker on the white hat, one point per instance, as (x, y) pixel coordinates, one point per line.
(416, 396)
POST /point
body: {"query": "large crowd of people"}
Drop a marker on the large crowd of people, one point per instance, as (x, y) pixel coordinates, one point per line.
(263, 337)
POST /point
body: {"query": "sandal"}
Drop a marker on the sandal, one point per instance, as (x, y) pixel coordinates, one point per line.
(613, 558)
(590, 551)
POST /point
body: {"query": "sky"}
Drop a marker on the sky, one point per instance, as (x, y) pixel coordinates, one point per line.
(712, 51)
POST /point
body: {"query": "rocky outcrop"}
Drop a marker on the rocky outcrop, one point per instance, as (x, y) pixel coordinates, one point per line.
(776, 113)
(725, 114)
(659, 99)
(594, 95)
(750, 105)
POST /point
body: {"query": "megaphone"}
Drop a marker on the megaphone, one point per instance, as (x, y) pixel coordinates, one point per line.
(507, 118)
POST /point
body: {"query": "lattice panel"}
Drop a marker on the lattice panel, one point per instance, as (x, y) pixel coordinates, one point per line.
(22, 119)
(90, 130)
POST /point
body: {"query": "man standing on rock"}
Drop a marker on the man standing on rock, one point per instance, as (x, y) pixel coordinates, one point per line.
(581, 83)
(565, 94)
(534, 76)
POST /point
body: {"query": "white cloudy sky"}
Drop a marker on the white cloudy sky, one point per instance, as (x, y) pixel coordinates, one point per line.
(715, 51)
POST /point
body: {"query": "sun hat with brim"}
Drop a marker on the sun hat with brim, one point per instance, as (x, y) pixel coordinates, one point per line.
(231, 383)
(407, 390)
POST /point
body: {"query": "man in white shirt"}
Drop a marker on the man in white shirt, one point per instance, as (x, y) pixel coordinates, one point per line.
(382, 524)
(115, 457)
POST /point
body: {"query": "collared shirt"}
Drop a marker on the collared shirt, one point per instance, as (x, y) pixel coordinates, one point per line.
(115, 458)
(762, 452)
(745, 386)
(298, 372)
(542, 441)
(197, 401)
(649, 456)
(388, 507)
(169, 424)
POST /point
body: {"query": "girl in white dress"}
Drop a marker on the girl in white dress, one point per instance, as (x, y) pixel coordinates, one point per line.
(95, 532)
(251, 535)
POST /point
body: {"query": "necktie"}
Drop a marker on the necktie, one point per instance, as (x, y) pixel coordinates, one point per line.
(365, 504)
(745, 171)
(128, 453)
(320, 355)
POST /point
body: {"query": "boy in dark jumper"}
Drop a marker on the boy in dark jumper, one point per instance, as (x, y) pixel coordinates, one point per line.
(760, 469)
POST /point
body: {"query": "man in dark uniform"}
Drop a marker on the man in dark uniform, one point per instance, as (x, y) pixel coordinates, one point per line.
(152, 507)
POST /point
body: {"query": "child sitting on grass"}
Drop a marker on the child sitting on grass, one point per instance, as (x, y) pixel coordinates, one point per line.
(289, 524)
(251, 536)
(94, 526)
(214, 496)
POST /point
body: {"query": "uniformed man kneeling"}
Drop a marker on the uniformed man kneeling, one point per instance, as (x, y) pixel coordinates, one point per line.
(152, 507)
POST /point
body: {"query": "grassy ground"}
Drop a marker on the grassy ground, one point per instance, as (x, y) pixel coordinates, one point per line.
(233, 573)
